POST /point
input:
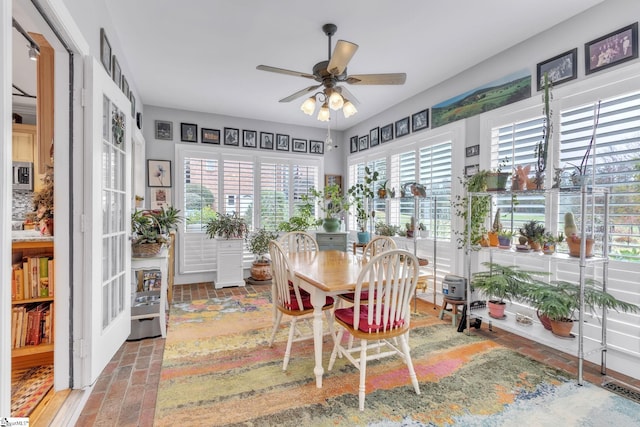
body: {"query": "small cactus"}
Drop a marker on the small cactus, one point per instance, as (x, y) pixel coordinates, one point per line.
(570, 227)
(497, 225)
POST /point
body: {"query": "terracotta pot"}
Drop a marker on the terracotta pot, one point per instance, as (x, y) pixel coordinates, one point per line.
(574, 246)
(493, 238)
(261, 270)
(496, 309)
(562, 328)
(544, 319)
(534, 245)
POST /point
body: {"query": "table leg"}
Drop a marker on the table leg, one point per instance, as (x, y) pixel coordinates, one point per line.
(318, 299)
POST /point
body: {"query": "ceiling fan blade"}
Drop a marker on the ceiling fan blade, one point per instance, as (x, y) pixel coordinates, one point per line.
(342, 54)
(283, 71)
(348, 95)
(377, 79)
(299, 93)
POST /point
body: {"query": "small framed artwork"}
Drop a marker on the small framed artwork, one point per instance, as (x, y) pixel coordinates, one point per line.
(159, 173)
(333, 179)
(164, 130)
(299, 145)
(374, 137)
(160, 198)
(420, 120)
(133, 104)
(210, 136)
(611, 49)
(231, 136)
(105, 51)
(249, 138)
(474, 150)
(471, 170)
(316, 147)
(363, 142)
(266, 140)
(116, 72)
(353, 144)
(282, 142)
(188, 132)
(125, 85)
(559, 69)
(402, 127)
(386, 133)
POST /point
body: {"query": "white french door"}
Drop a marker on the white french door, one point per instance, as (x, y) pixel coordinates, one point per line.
(107, 195)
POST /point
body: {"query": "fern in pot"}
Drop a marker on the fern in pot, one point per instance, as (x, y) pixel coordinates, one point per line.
(227, 226)
(259, 246)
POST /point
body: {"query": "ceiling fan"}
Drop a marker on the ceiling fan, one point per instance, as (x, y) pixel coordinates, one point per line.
(329, 74)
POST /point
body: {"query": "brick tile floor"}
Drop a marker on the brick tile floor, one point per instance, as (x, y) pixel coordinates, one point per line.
(125, 393)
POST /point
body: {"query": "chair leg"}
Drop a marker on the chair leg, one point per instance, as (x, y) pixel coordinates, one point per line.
(363, 374)
(287, 352)
(336, 348)
(277, 318)
(404, 340)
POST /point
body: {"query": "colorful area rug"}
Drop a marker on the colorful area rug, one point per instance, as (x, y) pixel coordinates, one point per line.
(218, 370)
(28, 388)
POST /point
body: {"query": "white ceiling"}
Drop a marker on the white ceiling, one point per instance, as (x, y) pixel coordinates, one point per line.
(201, 55)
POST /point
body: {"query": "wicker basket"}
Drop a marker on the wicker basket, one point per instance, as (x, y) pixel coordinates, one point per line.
(145, 249)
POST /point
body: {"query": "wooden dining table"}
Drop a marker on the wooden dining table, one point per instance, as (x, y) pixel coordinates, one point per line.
(323, 274)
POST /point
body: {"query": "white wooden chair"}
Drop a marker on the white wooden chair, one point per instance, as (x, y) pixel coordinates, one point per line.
(391, 278)
(289, 299)
(379, 244)
(298, 241)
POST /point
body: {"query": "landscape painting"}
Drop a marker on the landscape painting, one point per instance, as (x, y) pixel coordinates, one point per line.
(501, 92)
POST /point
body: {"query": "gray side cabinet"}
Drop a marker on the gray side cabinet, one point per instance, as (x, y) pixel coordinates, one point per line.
(332, 241)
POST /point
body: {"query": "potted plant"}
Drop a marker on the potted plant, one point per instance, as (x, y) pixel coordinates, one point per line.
(549, 242)
(423, 230)
(304, 218)
(359, 195)
(150, 230)
(579, 175)
(559, 300)
(497, 180)
(43, 205)
(496, 228)
(542, 148)
(382, 229)
(382, 189)
(480, 208)
(504, 238)
(227, 226)
(332, 203)
(258, 243)
(533, 231)
(573, 241)
(502, 283)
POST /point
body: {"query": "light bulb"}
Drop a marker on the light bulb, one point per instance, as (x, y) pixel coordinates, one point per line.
(335, 101)
(323, 114)
(309, 106)
(33, 53)
(348, 109)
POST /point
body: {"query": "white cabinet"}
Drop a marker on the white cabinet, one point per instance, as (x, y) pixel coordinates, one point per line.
(230, 270)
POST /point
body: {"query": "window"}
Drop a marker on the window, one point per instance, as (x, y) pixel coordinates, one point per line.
(238, 188)
(435, 174)
(617, 164)
(200, 191)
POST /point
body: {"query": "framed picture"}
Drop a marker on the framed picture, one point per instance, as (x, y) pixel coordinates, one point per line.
(374, 137)
(420, 120)
(188, 132)
(611, 49)
(282, 142)
(266, 140)
(386, 133)
(333, 179)
(299, 145)
(116, 72)
(139, 120)
(363, 142)
(316, 147)
(164, 130)
(105, 51)
(402, 127)
(133, 104)
(125, 85)
(231, 136)
(471, 170)
(249, 138)
(210, 136)
(353, 143)
(474, 150)
(160, 198)
(159, 173)
(560, 69)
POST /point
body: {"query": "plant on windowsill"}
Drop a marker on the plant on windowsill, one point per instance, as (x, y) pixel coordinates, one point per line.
(333, 203)
(542, 148)
(579, 175)
(480, 208)
(150, 230)
(227, 226)
(360, 195)
(304, 218)
(258, 244)
(533, 231)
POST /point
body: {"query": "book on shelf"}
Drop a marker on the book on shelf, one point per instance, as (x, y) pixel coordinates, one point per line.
(31, 324)
(33, 278)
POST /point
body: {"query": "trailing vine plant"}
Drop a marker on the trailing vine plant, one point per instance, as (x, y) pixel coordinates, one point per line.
(542, 148)
(480, 208)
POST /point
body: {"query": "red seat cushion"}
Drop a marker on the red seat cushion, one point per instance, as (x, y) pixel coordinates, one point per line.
(346, 315)
(364, 295)
(306, 300)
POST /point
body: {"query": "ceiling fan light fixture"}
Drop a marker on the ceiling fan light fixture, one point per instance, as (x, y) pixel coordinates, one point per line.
(335, 101)
(33, 53)
(348, 109)
(309, 106)
(324, 114)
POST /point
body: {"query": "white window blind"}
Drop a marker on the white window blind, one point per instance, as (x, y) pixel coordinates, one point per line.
(200, 191)
(237, 188)
(274, 195)
(617, 163)
(435, 175)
